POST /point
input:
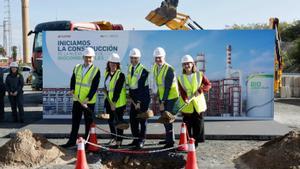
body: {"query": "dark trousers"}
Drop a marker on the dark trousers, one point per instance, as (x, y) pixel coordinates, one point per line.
(115, 117)
(138, 126)
(76, 118)
(195, 126)
(17, 102)
(2, 106)
(170, 137)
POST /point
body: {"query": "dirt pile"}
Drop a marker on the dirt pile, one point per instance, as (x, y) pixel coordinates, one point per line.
(28, 150)
(280, 153)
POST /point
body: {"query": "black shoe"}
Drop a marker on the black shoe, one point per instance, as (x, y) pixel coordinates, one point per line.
(133, 143)
(162, 142)
(140, 145)
(67, 145)
(196, 144)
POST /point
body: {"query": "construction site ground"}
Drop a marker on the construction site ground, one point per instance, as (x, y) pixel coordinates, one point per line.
(226, 140)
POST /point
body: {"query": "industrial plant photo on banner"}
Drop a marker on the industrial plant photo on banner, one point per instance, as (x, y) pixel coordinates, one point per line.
(238, 63)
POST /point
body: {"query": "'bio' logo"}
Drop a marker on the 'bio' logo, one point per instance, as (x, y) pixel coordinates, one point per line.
(255, 85)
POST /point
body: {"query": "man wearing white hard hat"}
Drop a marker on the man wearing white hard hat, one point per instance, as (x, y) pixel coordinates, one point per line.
(83, 87)
(115, 98)
(137, 81)
(14, 86)
(192, 84)
(167, 91)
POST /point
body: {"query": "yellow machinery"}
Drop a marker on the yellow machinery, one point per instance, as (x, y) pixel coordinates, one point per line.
(167, 15)
(278, 64)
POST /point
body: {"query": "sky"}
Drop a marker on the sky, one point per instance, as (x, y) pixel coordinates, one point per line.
(212, 14)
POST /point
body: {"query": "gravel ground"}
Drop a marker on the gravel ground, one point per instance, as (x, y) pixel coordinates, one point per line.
(212, 153)
(287, 111)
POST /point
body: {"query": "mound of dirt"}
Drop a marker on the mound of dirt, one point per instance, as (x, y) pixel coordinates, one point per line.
(28, 150)
(280, 153)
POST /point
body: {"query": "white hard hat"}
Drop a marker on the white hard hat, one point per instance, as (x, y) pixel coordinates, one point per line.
(114, 57)
(135, 52)
(13, 64)
(159, 52)
(187, 59)
(89, 52)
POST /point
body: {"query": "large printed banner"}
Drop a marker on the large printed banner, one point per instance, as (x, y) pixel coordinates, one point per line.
(239, 64)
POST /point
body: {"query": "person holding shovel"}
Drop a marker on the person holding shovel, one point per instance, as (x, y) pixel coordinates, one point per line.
(167, 91)
(83, 87)
(137, 81)
(115, 98)
(192, 84)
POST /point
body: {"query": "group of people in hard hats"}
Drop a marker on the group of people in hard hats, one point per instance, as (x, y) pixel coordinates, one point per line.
(186, 89)
(13, 85)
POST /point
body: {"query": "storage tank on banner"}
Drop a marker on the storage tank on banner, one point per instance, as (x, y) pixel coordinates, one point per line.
(260, 95)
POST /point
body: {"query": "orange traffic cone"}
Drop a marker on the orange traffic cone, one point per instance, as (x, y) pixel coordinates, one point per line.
(183, 139)
(81, 159)
(93, 139)
(191, 161)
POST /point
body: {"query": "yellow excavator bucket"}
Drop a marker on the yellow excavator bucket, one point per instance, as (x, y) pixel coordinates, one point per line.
(156, 18)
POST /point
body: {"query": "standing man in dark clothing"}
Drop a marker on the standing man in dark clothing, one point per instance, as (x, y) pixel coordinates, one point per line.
(83, 87)
(167, 90)
(2, 94)
(137, 80)
(14, 86)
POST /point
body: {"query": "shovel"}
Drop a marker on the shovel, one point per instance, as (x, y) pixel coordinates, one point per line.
(119, 125)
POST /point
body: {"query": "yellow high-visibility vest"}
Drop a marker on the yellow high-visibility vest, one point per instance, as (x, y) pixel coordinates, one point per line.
(132, 81)
(160, 82)
(122, 99)
(190, 88)
(84, 82)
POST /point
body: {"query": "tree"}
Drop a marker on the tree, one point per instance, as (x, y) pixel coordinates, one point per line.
(291, 32)
(292, 58)
(14, 53)
(2, 51)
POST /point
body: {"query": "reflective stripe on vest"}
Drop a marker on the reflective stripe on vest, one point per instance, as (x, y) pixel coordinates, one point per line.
(83, 83)
(190, 88)
(122, 98)
(160, 81)
(133, 81)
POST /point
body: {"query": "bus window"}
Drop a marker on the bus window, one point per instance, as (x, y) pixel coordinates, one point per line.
(37, 42)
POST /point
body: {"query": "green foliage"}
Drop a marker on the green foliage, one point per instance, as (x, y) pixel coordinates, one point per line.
(2, 51)
(291, 32)
(292, 58)
(14, 52)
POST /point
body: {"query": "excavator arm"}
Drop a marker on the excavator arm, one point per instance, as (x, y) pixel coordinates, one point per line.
(167, 15)
(278, 64)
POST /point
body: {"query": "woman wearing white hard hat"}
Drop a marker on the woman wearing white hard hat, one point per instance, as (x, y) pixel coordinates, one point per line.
(115, 99)
(14, 86)
(192, 84)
